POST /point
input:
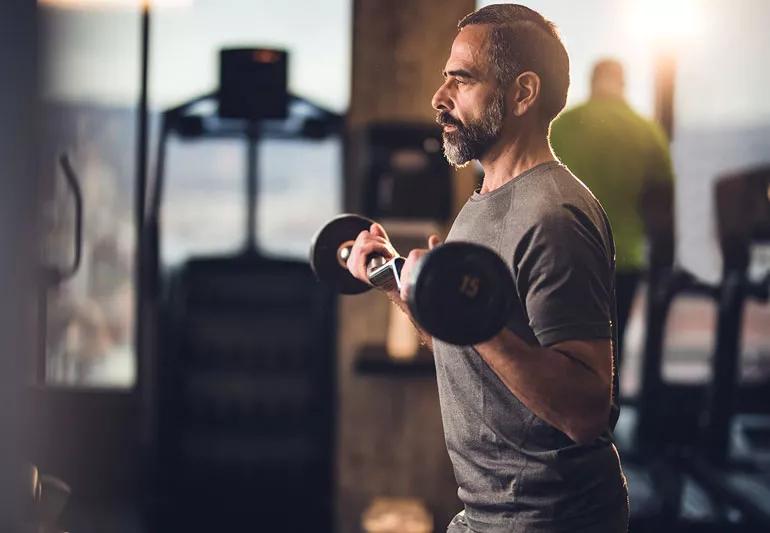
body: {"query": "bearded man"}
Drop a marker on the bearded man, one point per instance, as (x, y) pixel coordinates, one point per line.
(528, 415)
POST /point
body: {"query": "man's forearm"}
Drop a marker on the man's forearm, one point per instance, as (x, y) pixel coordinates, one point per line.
(556, 387)
(425, 339)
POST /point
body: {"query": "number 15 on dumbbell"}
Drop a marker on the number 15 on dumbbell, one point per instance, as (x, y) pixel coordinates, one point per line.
(461, 292)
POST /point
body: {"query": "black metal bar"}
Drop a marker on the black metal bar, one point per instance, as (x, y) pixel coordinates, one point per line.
(142, 121)
(185, 106)
(252, 185)
(152, 256)
(140, 193)
(724, 380)
(292, 129)
(659, 293)
(156, 194)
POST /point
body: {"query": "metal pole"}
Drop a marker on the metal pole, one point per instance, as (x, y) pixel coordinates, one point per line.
(252, 177)
(141, 186)
(144, 311)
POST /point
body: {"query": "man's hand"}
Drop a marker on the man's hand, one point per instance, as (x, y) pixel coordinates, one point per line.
(369, 243)
(407, 271)
(376, 242)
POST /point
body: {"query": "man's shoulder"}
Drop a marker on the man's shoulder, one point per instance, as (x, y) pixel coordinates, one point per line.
(559, 204)
(557, 188)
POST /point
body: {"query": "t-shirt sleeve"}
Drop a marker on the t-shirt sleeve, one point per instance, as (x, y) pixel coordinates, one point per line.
(564, 278)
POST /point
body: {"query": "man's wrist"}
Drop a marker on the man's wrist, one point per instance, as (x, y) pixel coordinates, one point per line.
(395, 297)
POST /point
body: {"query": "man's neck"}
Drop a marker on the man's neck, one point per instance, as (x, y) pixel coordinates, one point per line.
(510, 158)
(599, 94)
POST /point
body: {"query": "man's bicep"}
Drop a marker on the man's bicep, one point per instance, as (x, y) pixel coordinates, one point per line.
(564, 278)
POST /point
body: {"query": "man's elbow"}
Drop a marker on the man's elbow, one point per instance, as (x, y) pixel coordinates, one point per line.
(589, 427)
(586, 435)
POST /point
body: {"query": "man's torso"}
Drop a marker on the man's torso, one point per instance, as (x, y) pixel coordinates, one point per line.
(514, 470)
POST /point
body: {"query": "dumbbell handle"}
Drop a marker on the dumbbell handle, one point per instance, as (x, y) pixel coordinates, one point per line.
(385, 274)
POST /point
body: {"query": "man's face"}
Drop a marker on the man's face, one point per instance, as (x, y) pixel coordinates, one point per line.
(470, 102)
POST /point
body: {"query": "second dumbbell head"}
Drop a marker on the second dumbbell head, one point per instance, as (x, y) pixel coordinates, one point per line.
(330, 249)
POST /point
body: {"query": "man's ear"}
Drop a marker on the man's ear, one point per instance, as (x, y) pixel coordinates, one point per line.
(525, 91)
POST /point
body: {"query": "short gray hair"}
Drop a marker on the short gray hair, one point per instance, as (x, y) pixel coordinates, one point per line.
(521, 40)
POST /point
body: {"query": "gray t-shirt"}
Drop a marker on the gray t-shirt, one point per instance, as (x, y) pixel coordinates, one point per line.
(515, 471)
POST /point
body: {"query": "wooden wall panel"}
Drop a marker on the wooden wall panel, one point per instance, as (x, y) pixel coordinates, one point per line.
(390, 438)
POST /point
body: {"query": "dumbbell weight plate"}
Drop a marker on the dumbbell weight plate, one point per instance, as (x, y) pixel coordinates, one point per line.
(462, 293)
(325, 258)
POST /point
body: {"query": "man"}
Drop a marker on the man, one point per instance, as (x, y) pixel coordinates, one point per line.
(620, 156)
(528, 414)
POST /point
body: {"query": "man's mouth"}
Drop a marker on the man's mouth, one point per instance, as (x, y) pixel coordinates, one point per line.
(447, 122)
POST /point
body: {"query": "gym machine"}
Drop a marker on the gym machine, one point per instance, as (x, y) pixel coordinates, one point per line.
(246, 343)
(677, 464)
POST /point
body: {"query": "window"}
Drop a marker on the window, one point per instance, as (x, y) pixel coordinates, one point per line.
(90, 65)
(90, 87)
(300, 182)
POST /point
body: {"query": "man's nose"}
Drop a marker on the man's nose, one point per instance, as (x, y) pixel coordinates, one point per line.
(441, 100)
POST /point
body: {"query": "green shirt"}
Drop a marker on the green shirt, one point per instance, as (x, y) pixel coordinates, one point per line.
(614, 151)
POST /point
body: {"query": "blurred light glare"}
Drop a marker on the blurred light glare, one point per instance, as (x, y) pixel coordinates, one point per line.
(665, 23)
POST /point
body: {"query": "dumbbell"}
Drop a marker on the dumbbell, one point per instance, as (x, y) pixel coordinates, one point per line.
(462, 293)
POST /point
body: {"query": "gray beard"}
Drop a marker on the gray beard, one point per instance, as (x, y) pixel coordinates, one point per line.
(469, 142)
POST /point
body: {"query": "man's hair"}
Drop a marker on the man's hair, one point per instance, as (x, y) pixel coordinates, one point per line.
(523, 40)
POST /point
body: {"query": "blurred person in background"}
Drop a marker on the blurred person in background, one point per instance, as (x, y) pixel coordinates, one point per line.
(619, 155)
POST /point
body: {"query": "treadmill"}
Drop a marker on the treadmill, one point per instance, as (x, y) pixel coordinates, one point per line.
(246, 342)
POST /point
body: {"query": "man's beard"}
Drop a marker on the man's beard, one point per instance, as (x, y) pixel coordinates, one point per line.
(471, 141)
